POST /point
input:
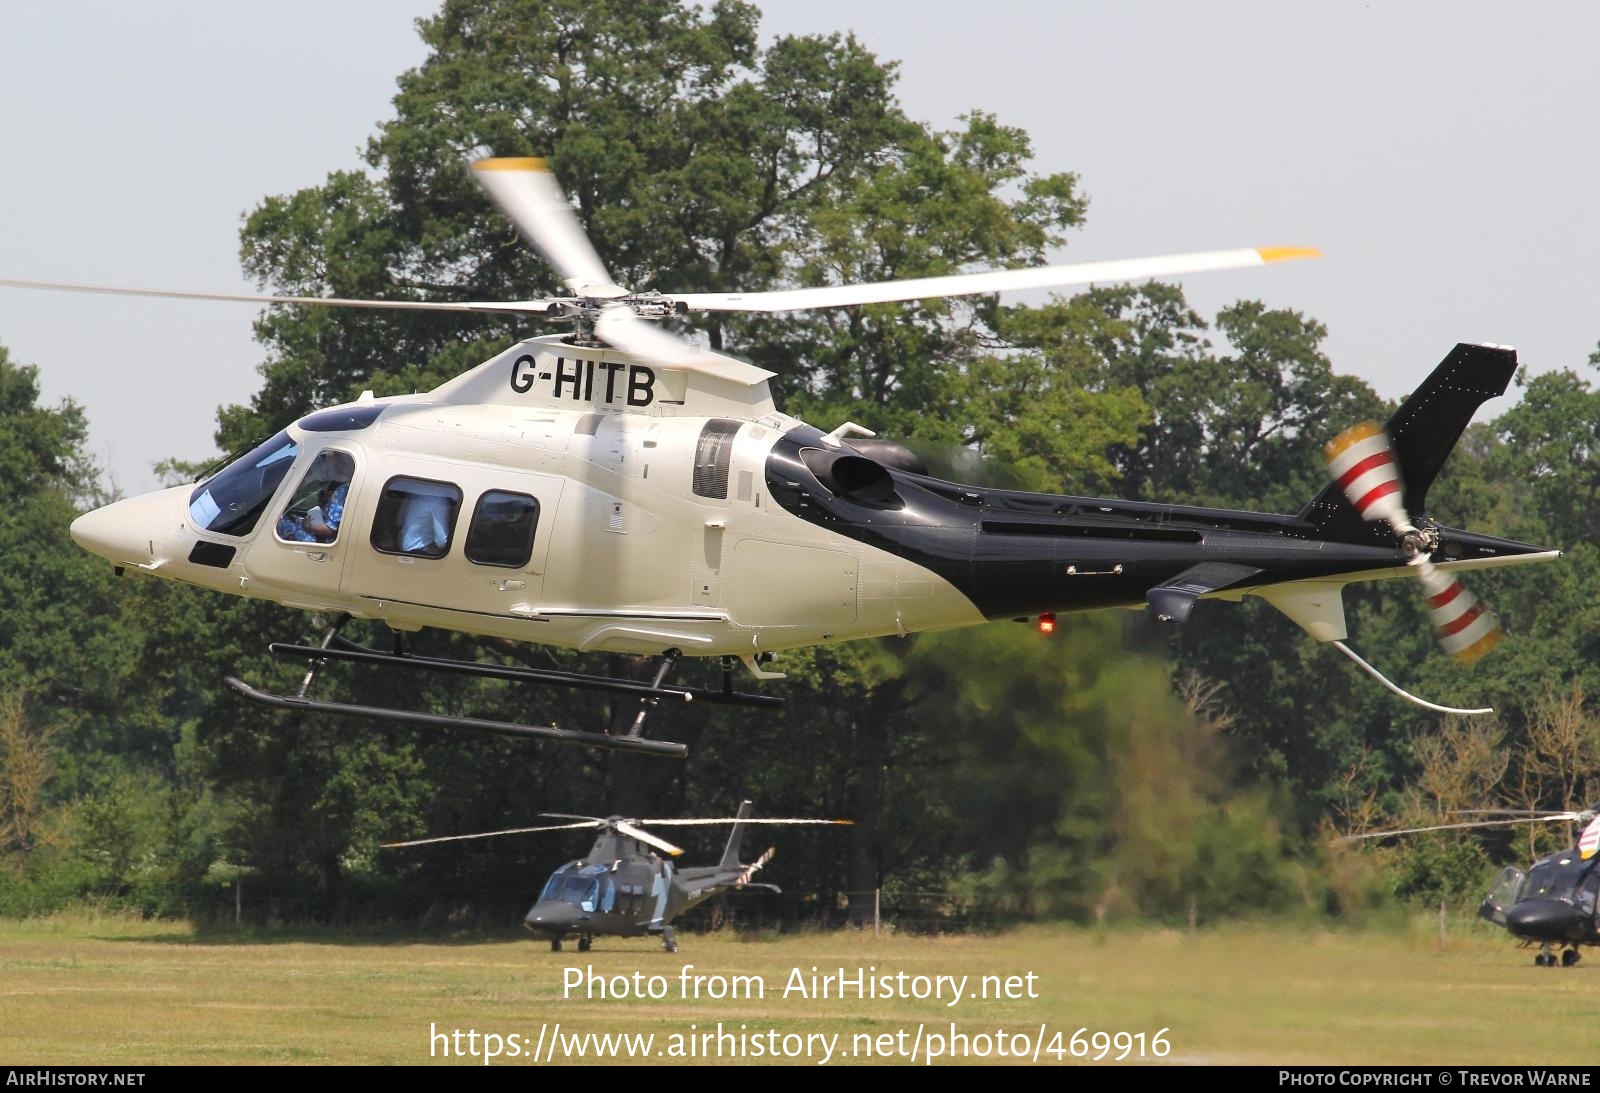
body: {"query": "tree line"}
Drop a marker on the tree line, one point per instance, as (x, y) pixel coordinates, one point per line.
(1119, 768)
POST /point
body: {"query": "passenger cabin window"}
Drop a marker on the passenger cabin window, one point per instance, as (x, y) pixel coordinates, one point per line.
(502, 529)
(316, 508)
(416, 516)
(712, 455)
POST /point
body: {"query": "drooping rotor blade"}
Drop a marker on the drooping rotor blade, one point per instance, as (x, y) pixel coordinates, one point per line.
(738, 820)
(1542, 813)
(1003, 280)
(531, 307)
(1453, 827)
(618, 326)
(626, 828)
(527, 193)
(492, 834)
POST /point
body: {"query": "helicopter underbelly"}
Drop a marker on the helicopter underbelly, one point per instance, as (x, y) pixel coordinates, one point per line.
(769, 596)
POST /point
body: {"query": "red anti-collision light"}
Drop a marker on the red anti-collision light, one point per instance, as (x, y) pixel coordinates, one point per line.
(1047, 623)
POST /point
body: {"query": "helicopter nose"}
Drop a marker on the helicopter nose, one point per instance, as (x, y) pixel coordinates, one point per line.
(547, 915)
(133, 531)
(1545, 920)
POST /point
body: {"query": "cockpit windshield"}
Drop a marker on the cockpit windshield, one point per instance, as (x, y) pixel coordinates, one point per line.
(1550, 879)
(586, 889)
(231, 501)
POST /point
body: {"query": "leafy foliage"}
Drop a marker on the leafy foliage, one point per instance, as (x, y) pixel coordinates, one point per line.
(1119, 769)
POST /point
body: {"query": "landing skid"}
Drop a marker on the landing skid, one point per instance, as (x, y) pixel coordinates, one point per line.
(344, 649)
(441, 721)
(335, 647)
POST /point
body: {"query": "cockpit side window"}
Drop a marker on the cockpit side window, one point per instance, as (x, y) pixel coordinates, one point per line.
(316, 509)
(232, 501)
(1589, 887)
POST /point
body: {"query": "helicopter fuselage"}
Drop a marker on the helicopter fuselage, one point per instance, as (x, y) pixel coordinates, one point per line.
(623, 889)
(1552, 905)
(571, 496)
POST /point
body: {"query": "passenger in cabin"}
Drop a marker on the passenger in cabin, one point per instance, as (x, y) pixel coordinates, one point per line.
(425, 528)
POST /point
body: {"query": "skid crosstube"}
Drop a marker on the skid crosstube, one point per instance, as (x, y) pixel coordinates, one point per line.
(343, 649)
(440, 721)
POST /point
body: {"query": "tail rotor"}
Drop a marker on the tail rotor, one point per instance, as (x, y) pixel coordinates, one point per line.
(1362, 461)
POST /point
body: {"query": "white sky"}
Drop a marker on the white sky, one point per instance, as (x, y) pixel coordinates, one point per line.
(1441, 153)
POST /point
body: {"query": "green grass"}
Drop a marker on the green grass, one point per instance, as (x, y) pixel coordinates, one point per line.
(117, 992)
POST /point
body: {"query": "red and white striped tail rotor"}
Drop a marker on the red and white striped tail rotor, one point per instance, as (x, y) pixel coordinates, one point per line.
(1361, 460)
(1467, 628)
(755, 867)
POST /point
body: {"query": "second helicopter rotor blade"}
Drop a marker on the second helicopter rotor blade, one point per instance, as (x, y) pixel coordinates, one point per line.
(1451, 827)
(487, 835)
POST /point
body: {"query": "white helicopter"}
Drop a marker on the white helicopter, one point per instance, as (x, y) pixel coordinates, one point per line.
(620, 489)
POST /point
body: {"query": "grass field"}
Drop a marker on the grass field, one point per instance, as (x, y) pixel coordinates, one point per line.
(114, 992)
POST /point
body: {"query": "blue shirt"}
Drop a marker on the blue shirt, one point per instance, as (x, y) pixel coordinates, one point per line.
(294, 530)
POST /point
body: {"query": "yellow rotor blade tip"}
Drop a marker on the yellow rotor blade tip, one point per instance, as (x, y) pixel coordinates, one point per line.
(1286, 254)
(511, 163)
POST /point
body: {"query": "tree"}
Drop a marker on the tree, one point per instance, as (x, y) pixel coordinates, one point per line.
(27, 761)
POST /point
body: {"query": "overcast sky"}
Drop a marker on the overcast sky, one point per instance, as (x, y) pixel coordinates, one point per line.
(1442, 154)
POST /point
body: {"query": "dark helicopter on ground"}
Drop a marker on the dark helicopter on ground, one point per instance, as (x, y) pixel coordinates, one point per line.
(1554, 903)
(622, 888)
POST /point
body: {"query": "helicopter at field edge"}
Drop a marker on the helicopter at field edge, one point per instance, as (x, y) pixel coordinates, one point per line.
(622, 887)
(619, 489)
(1553, 904)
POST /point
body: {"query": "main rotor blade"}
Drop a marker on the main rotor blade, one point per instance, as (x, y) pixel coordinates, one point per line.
(618, 326)
(737, 820)
(645, 837)
(531, 307)
(527, 193)
(488, 835)
(1002, 280)
(1452, 827)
